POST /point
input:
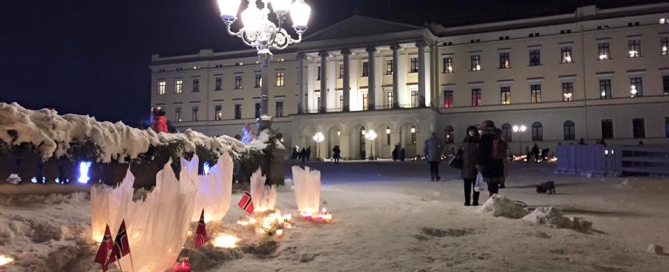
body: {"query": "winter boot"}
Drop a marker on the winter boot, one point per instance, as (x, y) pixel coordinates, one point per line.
(14, 179)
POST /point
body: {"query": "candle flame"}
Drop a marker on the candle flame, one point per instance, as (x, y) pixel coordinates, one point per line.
(5, 260)
(226, 241)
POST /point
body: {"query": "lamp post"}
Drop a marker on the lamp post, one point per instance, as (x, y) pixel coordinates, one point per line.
(371, 135)
(318, 137)
(262, 34)
(521, 129)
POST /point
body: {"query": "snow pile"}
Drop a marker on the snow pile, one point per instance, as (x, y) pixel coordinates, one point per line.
(553, 217)
(264, 197)
(159, 224)
(53, 134)
(307, 187)
(499, 205)
(214, 191)
(45, 241)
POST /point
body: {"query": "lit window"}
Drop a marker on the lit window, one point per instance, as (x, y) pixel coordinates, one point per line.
(218, 112)
(238, 82)
(389, 99)
(219, 82)
(448, 65)
(565, 54)
(279, 79)
(664, 46)
(475, 62)
(448, 99)
(414, 99)
(476, 97)
(535, 90)
(179, 87)
(605, 88)
(506, 95)
(414, 65)
(567, 91)
(161, 87)
(604, 49)
(389, 67)
(634, 48)
(177, 114)
(504, 60)
(636, 87)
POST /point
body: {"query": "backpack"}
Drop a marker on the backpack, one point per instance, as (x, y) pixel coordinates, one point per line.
(170, 127)
(499, 148)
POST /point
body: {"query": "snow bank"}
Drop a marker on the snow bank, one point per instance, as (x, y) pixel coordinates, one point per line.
(499, 205)
(53, 135)
(553, 217)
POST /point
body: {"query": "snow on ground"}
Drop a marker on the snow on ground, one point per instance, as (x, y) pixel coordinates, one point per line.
(389, 217)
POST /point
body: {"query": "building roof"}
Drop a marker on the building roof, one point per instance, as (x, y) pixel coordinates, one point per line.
(351, 27)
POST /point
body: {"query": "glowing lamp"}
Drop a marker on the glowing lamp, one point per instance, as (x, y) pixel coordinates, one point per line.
(388, 130)
(281, 6)
(603, 93)
(252, 18)
(338, 132)
(182, 266)
(413, 129)
(83, 172)
(5, 260)
(300, 13)
(226, 241)
(229, 9)
(205, 168)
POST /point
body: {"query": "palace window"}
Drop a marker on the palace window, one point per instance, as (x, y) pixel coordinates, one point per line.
(605, 88)
(604, 49)
(565, 54)
(634, 47)
(238, 111)
(414, 65)
(161, 87)
(475, 62)
(219, 82)
(238, 82)
(506, 95)
(567, 91)
(448, 65)
(535, 92)
(639, 128)
(279, 79)
(535, 57)
(196, 85)
(504, 60)
(569, 130)
(389, 67)
(179, 87)
(218, 112)
(476, 97)
(448, 99)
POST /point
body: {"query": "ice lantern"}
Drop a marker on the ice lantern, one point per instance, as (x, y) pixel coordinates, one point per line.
(83, 172)
(229, 9)
(300, 13)
(281, 6)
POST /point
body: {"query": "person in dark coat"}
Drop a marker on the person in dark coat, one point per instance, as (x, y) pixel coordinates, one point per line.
(303, 154)
(336, 154)
(582, 142)
(535, 152)
(308, 153)
(403, 154)
(469, 149)
(434, 147)
(396, 153)
(488, 161)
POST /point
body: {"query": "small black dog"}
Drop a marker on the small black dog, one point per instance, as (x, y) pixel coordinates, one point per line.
(546, 187)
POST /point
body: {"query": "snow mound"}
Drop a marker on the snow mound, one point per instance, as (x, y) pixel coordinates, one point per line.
(116, 140)
(499, 205)
(553, 217)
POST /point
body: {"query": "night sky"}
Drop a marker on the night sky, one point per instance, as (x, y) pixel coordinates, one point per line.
(91, 56)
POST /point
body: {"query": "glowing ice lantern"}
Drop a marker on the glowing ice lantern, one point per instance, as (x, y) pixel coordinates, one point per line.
(206, 168)
(83, 172)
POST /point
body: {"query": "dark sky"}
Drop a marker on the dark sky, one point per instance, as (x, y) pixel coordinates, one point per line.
(91, 56)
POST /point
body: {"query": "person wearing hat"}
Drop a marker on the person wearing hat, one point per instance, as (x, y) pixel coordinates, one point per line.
(490, 158)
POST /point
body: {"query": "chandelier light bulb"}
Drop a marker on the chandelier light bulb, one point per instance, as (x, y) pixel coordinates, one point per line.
(281, 7)
(252, 18)
(229, 9)
(300, 13)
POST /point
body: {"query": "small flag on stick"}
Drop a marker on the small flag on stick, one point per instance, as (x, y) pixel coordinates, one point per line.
(201, 237)
(105, 246)
(246, 203)
(121, 245)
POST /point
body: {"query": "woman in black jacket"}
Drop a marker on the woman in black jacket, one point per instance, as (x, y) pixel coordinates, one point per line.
(489, 161)
(469, 149)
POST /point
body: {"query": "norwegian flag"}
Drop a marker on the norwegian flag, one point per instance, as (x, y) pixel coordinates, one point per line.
(201, 237)
(121, 245)
(105, 246)
(246, 203)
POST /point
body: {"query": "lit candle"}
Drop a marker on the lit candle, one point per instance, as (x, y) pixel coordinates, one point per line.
(287, 217)
(279, 233)
(327, 217)
(252, 221)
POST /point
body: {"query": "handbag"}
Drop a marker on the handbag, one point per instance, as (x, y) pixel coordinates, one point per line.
(479, 186)
(456, 161)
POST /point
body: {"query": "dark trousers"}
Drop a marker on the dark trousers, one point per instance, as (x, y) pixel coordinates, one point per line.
(434, 169)
(493, 187)
(469, 188)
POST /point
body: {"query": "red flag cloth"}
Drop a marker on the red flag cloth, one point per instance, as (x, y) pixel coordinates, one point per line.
(201, 232)
(105, 245)
(246, 203)
(121, 245)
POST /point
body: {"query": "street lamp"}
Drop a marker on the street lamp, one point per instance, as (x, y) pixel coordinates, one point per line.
(318, 137)
(371, 135)
(521, 128)
(262, 34)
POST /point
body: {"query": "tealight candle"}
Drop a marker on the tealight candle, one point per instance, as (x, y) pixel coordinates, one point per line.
(252, 221)
(279, 233)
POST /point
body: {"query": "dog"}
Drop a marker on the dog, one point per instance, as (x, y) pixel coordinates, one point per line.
(546, 187)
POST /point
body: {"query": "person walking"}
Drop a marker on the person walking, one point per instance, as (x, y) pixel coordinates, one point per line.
(535, 152)
(469, 149)
(489, 161)
(303, 154)
(336, 154)
(433, 149)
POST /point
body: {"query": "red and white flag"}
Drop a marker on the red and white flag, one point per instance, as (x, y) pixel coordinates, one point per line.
(246, 203)
(105, 246)
(201, 237)
(121, 245)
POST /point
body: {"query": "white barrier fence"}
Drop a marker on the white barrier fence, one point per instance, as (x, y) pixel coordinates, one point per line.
(612, 161)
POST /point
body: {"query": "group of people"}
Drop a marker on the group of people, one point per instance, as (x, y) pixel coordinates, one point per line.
(304, 154)
(399, 153)
(485, 153)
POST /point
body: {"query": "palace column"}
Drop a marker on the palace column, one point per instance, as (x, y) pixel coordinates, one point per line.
(346, 80)
(371, 89)
(324, 86)
(421, 74)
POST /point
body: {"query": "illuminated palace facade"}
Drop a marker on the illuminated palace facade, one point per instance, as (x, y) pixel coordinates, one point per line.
(592, 74)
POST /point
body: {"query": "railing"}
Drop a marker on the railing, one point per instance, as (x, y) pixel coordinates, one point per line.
(599, 160)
